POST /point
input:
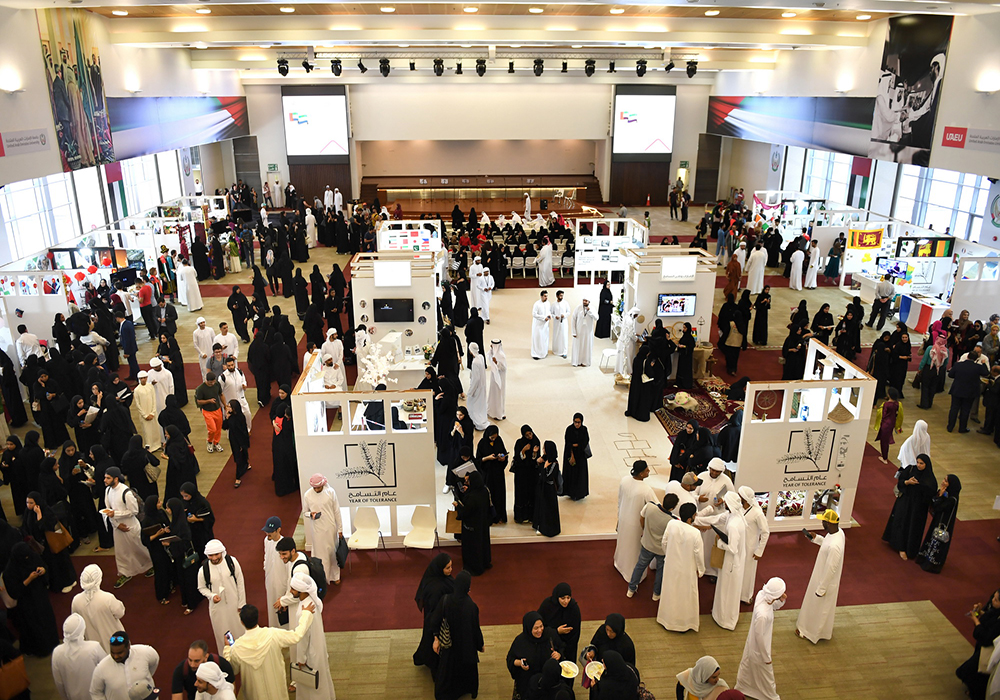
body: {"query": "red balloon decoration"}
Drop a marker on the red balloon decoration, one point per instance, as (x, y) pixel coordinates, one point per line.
(79, 277)
(92, 269)
(106, 261)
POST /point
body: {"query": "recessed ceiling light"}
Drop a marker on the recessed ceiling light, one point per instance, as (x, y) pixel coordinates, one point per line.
(466, 46)
(711, 13)
(287, 9)
(863, 17)
(470, 10)
(787, 15)
(535, 10)
(403, 46)
(387, 9)
(119, 13)
(265, 46)
(616, 10)
(515, 46)
(203, 11)
(577, 46)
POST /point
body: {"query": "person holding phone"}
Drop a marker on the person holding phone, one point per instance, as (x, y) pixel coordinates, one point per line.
(491, 459)
(321, 511)
(523, 464)
(815, 620)
(530, 649)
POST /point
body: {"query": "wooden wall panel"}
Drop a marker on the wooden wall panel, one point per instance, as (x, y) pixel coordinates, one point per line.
(706, 177)
(311, 180)
(632, 182)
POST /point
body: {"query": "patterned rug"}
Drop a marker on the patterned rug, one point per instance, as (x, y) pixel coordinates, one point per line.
(712, 411)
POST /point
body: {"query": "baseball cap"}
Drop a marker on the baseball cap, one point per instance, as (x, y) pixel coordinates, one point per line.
(272, 524)
(691, 480)
(830, 516)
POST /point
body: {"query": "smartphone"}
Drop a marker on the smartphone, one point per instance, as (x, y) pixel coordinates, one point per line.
(316, 516)
(805, 532)
(229, 638)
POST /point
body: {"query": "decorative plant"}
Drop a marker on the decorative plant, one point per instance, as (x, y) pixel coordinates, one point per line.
(428, 351)
(813, 451)
(371, 467)
(375, 367)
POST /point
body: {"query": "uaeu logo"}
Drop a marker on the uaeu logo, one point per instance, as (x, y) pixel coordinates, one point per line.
(775, 161)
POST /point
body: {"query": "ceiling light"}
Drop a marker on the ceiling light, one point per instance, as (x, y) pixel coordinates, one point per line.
(287, 9)
(616, 10)
(577, 46)
(201, 45)
(403, 46)
(335, 67)
(383, 67)
(515, 46)
(640, 67)
(119, 13)
(283, 66)
(611, 67)
(438, 67)
(387, 9)
(535, 10)
(458, 68)
(305, 64)
(692, 68)
(669, 67)
(510, 67)
(413, 65)
(362, 67)
(565, 67)
(788, 15)
(711, 13)
(538, 67)
(480, 67)
(588, 67)
(203, 11)
(863, 17)
(470, 10)
(265, 46)
(466, 46)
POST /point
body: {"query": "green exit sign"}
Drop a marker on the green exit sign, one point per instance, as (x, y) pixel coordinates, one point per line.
(686, 165)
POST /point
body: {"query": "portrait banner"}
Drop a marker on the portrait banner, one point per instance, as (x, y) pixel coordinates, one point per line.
(76, 87)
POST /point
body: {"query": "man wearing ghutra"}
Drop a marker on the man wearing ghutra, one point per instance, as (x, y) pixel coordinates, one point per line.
(756, 674)
(321, 511)
(220, 579)
(212, 684)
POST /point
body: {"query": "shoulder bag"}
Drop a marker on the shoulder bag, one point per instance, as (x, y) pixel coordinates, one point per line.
(58, 539)
(444, 633)
(191, 558)
(13, 678)
(941, 532)
(152, 473)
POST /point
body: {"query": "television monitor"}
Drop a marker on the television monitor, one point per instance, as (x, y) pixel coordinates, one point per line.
(675, 305)
(393, 310)
(894, 268)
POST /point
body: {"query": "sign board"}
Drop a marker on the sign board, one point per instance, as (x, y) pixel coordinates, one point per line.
(976, 139)
(678, 268)
(865, 239)
(272, 167)
(14, 143)
(417, 236)
(685, 165)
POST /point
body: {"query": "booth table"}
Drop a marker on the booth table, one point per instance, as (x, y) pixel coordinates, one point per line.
(409, 373)
(919, 312)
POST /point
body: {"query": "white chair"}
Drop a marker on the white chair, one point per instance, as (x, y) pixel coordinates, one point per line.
(424, 534)
(517, 263)
(367, 532)
(530, 264)
(568, 262)
(606, 355)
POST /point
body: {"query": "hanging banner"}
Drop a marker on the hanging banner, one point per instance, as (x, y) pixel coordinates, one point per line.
(906, 103)
(775, 164)
(76, 87)
(865, 240)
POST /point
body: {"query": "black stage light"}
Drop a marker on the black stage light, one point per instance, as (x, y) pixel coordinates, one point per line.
(640, 67)
(539, 66)
(362, 67)
(480, 67)
(692, 68)
(510, 66)
(438, 67)
(305, 64)
(383, 67)
(335, 67)
(588, 67)
(611, 67)
(669, 67)
(413, 65)
(283, 66)
(565, 67)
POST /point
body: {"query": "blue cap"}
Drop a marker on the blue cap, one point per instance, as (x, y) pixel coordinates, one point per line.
(272, 524)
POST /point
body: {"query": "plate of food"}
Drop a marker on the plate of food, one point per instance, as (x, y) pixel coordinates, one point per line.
(569, 669)
(594, 670)
(714, 394)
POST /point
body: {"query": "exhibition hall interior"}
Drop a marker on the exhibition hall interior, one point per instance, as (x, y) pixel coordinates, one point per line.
(338, 339)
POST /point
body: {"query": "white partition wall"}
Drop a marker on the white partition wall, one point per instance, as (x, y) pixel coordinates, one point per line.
(977, 286)
(599, 242)
(395, 291)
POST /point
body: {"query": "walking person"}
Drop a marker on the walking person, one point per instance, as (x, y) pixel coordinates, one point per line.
(654, 518)
(458, 667)
(208, 397)
(101, 610)
(235, 424)
(965, 389)
(889, 419)
(756, 674)
(220, 581)
(321, 512)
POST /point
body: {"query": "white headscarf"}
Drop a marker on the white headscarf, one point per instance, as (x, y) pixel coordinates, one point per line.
(74, 629)
(90, 580)
(919, 443)
(474, 350)
(496, 350)
(696, 681)
(210, 672)
(748, 495)
(735, 505)
(304, 584)
(773, 589)
(214, 547)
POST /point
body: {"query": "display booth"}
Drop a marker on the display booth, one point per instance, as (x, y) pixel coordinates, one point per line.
(599, 246)
(977, 286)
(803, 441)
(375, 448)
(417, 235)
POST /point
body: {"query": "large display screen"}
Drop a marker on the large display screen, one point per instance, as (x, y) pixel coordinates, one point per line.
(644, 123)
(393, 310)
(675, 305)
(315, 125)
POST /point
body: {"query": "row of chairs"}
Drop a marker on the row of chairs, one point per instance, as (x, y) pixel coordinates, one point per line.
(368, 531)
(565, 262)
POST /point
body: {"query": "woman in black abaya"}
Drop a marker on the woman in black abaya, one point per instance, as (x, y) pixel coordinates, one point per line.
(474, 512)
(458, 668)
(611, 637)
(12, 392)
(561, 613)
(81, 499)
(491, 459)
(286, 467)
(37, 520)
(605, 305)
(619, 680)
(172, 415)
(200, 517)
(133, 466)
(281, 361)
(437, 582)
(878, 364)
(342, 235)
(259, 361)
(685, 359)
(26, 578)
(634, 406)
(908, 519)
(576, 452)
(182, 467)
(218, 258)
(460, 290)
(822, 324)
(29, 462)
(11, 474)
(761, 306)
(301, 293)
(525, 468)
(153, 516)
(185, 577)
(846, 339)
(529, 651)
(900, 362)
(199, 258)
(986, 627)
(312, 324)
(944, 507)
(692, 449)
(546, 517)
(170, 352)
(317, 286)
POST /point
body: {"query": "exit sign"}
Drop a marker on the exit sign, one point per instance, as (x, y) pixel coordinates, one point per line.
(685, 164)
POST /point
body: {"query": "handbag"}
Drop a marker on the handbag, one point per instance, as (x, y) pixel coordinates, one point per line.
(304, 677)
(14, 678)
(190, 559)
(587, 451)
(444, 633)
(940, 533)
(452, 524)
(152, 473)
(342, 551)
(58, 539)
(59, 405)
(718, 556)
(984, 659)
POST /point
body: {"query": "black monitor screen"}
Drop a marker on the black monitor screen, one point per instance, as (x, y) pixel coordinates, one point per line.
(393, 310)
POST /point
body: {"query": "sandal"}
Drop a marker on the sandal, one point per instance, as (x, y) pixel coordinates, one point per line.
(165, 601)
(99, 548)
(237, 484)
(188, 611)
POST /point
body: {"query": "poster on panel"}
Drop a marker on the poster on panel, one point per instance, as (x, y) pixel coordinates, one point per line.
(909, 89)
(989, 234)
(144, 125)
(76, 87)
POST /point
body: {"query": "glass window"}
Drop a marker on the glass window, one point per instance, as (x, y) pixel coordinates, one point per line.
(170, 176)
(88, 192)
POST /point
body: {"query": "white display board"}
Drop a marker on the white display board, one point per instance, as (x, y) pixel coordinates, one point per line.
(644, 123)
(420, 236)
(599, 242)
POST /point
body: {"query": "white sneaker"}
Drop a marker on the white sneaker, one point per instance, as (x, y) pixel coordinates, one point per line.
(218, 448)
(656, 597)
(210, 448)
(629, 593)
(445, 489)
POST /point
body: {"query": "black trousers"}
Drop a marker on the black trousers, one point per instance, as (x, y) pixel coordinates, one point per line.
(732, 354)
(149, 318)
(242, 457)
(960, 408)
(674, 211)
(880, 309)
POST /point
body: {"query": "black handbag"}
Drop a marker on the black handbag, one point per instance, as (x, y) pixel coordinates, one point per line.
(342, 551)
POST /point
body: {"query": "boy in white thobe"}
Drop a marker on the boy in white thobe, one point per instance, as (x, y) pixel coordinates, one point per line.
(756, 675)
(74, 661)
(220, 580)
(257, 656)
(275, 570)
(321, 509)
(757, 533)
(633, 494)
(99, 609)
(204, 338)
(726, 606)
(560, 325)
(820, 603)
(475, 275)
(229, 342)
(582, 328)
(121, 513)
(540, 314)
(683, 564)
(312, 650)
(145, 403)
(162, 381)
(486, 285)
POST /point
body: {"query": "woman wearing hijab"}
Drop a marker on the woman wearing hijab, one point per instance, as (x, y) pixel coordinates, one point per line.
(436, 583)
(11, 392)
(576, 453)
(473, 506)
(685, 359)
(317, 286)
(637, 407)
(200, 517)
(285, 473)
(170, 353)
(889, 419)
(878, 363)
(154, 525)
(546, 515)
(185, 572)
(282, 361)
(53, 405)
(173, 415)
(101, 462)
(301, 293)
(491, 460)
(692, 449)
(702, 681)
(944, 509)
(78, 485)
(525, 468)
(60, 333)
(986, 627)
(530, 650)
(561, 612)
(133, 466)
(620, 679)
(25, 577)
(822, 324)
(800, 316)
(761, 306)
(38, 519)
(457, 672)
(29, 461)
(12, 475)
(900, 362)
(235, 423)
(182, 466)
(916, 487)
(605, 305)
(549, 683)
(259, 285)
(87, 433)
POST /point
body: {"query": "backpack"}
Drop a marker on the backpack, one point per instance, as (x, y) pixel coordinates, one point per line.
(205, 570)
(316, 572)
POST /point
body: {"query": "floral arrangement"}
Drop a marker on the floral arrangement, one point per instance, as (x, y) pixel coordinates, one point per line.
(375, 367)
(428, 351)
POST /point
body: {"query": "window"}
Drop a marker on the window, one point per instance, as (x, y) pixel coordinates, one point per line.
(142, 190)
(37, 214)
(943, 199)
(828, 175)
(170, 176)
(88, 194)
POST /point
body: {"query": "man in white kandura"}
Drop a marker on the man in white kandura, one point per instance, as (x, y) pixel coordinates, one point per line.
(476, 399)
(683, 565)
(756, 675)
(99, 609)
(229, 342)
(334, 378)
(496, 362)
(338, 199)
(633, 494)
(126, 665)
(311, 653)
(527, 206)
(560, 325)
(211, 683)
(820, 602)
(327, 198)
(204, 338)
(321, 510)
(626, 342)
(732, 539)
(475, 275)
(121, 513)
(795, 277)
(334, 347)
(812, 270)
(74, 661)
(220, 580)
(757, 533)
(540, 315)
(582, 328)
(275, 570)
(257, 655)
(543, 263)
(756, 264)
(714, 484)
(188, 292)
(144, 396)
(162, 381)
(486, 285)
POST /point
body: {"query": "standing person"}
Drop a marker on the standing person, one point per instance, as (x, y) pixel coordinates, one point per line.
(321, 511)
(182, 467)
(486, 285)
(732, 346)
(311, 652)
(756, 674)
(99, 609)
(235, 423)
(546, 518)
(576, 453)
(154, 526)
(208, 397)
(170, 353)
(561, 612)
(916, 486)
(633, 494)
(239, 307)
(530, 650)
(889, 419)
(726, 607)
(822, 324)
(885, 292)
(491, 459)
(758, 532)
(654, 518)
(761, 306)
(682, 550)
(815, 621)
(986, 626)
(259, 361)
(755, 269)
(275, 571)
(211, 681)
(458, 668)
(436, 583)
(473, 506)
(523, 464)
(933, 366)
(944, 507)
(560, 325)
(478, 386)
(121, 513)
(496, 363)
(188, 291)
(795, 275)
(546, 278)
(582, 329)
(163, 383)
(702, 681)
(146, 306)
(965, 388)
(257, 655)
(626, 342)
(75, 660)
(185, 577)
(220, 580)
(229, 342)
(812, 271)
(126, 334)
(234, 384)
(119, 671)
(541, 312)
(144, 396)
(26, 581)
(685, 359)
(715, 483)
(204, 339)
(605, 306)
